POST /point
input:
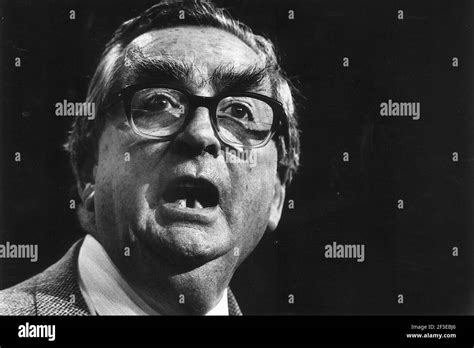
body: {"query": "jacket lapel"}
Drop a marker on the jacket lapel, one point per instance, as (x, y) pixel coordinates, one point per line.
(57, 290)
(234, 308)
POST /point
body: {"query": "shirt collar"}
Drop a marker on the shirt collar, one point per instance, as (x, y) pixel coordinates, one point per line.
(106, 292)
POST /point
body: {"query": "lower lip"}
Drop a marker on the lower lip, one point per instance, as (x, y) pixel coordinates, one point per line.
(170, 212)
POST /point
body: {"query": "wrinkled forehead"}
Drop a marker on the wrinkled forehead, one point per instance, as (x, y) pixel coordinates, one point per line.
(204, 48)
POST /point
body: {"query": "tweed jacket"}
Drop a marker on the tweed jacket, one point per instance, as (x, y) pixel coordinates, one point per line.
(56, 291)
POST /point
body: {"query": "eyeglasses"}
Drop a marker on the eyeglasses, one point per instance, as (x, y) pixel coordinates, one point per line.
(160, 112)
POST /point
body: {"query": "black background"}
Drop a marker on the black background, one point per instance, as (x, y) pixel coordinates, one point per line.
(408, 251)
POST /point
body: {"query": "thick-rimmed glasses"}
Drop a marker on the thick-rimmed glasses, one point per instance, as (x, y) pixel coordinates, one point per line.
(160, 112)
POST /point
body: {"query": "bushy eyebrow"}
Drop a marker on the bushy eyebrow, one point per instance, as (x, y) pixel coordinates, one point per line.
(228, 79)
(163, 70)
(224, 79)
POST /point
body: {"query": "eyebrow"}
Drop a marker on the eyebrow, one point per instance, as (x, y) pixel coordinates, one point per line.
(149, 70)
(224, 79)
(228, 79)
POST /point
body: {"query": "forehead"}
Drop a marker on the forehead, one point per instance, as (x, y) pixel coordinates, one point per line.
(206, 47)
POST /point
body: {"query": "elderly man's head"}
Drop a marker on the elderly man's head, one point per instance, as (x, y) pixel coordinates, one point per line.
(185, 97)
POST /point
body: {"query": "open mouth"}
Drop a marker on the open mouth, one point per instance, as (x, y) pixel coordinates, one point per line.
(191, 193)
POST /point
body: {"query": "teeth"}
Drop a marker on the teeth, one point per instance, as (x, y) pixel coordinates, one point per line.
(197, 204)
(193, 203)
(188, 203)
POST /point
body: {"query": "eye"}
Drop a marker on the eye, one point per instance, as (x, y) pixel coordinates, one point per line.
(158, 103)
(239, 111)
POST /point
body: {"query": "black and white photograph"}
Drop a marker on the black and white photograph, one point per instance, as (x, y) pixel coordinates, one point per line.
(308, 162)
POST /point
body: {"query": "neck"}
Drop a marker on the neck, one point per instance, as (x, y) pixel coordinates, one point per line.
(189, 293)
(172, 290)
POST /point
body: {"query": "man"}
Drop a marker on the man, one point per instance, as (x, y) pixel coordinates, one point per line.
(181, 172)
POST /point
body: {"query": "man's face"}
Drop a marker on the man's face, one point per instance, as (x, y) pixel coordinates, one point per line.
(188, 213)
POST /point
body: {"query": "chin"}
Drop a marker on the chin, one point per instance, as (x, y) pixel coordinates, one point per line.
(186, 245)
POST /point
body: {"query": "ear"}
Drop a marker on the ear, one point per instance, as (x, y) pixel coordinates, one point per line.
(88, 192)
(276, 207)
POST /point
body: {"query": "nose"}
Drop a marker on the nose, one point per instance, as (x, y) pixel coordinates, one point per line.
(199, 136)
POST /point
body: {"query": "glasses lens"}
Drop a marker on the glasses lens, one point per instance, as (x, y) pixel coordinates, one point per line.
(244, 121)
(158, 111)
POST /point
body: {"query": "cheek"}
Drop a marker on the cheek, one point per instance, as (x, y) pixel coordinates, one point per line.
(257, 173)
(114, 163)
(252, 189)
(122, 176)
(124, 159)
